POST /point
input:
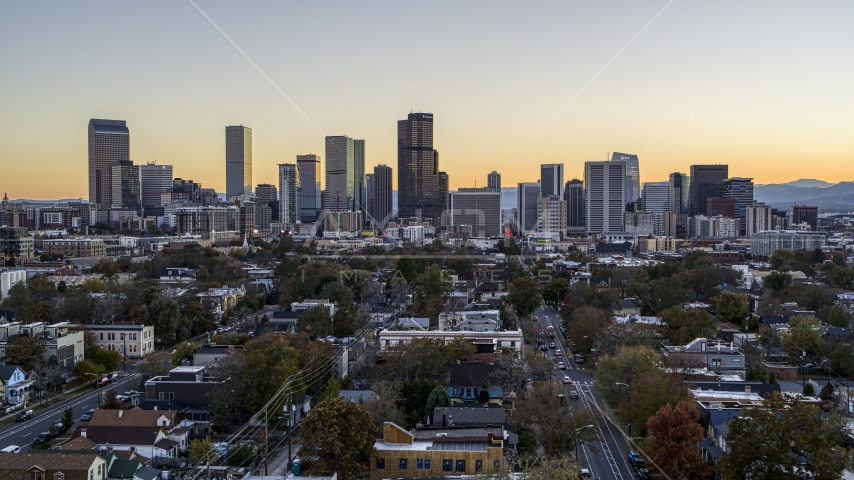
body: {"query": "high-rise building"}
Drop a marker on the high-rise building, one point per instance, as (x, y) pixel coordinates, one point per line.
(310, 200)
(125, 177)
(526, 207)
(266, 196)
(238, 161)
(606, 196)
(381, 196)
(656, 197)
(707, 181)
(493, 181)
(444, 188)
(155, 180)
(764, 244)
(805, 214)
(340, 192)
(758, 218)
(478, 207)
(633, 186)
(679, 193)
(551, 179)
(417, 168)
(551, 213)
(741, 191)
(289, 193)
(724, 207)
(573, 194)
(359, 193)
(109, 142)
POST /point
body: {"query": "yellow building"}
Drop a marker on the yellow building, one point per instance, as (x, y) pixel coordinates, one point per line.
(437, 452)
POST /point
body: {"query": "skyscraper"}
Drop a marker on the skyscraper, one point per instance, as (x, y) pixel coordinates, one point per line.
(125, 192)
(656, 197)
(359, 176)
(551, 179)
(757, 219)
(310, 201)
(444, 188)
(417, 168)
(266, 196)
(805, 214)
(633, 188)
(551, 213)
(381, 192)
(573, 194)
(154, 180)
(606, 196)
(679, 193)
(707, 181)
(109, 142)
(289, 193)
(493, 181)
(340, 192)
(526, 207)
(238, 160)
(741, 191)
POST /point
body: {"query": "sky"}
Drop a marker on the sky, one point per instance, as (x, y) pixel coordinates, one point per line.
(763, 86)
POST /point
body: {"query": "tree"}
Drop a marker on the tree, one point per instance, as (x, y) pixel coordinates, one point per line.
(385, 407)
(584, 324)
(315, 321)
(109, 359)
(841, 360)
(674, 435)
(25, 352)
(68, 417)
(342, 434)
(18, 298)
(202, 451)
(85, 367)
(38, 312)
(804, 335)
(648, 394)
(524, 295)
(809, 390)
(269, 363)
(731, 307)
(697, 258)
(111, 402)
(438, 398)
(776, 281)
(685, 326)
(839, 317)
(183, 352)
(240, 454)
(552, 291)
(782, 258)
(332, 390)
(769, 443)
(413, 400)
(554, 426)
(626, 366)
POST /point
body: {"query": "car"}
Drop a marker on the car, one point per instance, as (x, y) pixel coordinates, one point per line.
(23, 416)
(60, 427)
(558, 353)
(561, 365)
(643, 473)
(88, 415)
(103, 381)
(11, 449)
(123, 397)
(634, 458)
(41, 438)
(552, 345)
(566, 379)
(585, 473)
(113, 377)
(579, 358)
(544, 348)
(573, 395)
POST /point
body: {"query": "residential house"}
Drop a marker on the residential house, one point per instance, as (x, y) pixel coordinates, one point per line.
(436, 453)
(469, 415)
(418, 324)
(53, 466)
(185, 385)
(133, 340)
(471, 321)
(171, 276)
(150, 442)
(311, 303)
(65, 344)
(221, 300)
(207, 355)
(626, 306)
(117, 466)
(17, 386)
(469, 379)
(136, 417)
(719, 357)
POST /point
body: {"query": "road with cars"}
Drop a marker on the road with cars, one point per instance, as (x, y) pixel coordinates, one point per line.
(22, 433)
(606, 458)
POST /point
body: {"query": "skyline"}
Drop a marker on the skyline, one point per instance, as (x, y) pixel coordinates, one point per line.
(771, 93)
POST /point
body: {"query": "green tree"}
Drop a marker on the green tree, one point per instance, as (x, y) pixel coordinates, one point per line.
(413, 400)
(332, 390)
(841, 360)
(342, 434)
(438, 398)
(674, 435)
(241, 454)
(315, 321)
(804, 335)
(18, 299)
(183, 352)
(407, 268)
(270, 360)
(85, 367)
(686, 325)
(648, 394)
(782, 259)
(731, 307)
(343, 323)
(809, 390)
(202, 451)
(776, 281)
(25, 352)
(38, 312)
(524, 295)
(839, 317)
(768, 443)
(628, 365)
(68, 417)
(697, 258)
(556, 289)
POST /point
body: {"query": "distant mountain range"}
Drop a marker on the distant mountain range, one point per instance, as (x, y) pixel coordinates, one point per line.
(826, 196)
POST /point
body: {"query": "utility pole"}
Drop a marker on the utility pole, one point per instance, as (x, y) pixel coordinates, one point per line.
(290, 430)
(125, 351)
(266, 442)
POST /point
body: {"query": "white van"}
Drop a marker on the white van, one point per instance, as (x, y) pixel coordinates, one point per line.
(11, 449)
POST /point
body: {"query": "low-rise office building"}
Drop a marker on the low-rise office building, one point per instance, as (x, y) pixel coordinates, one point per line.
(75, 247)
(134, 340)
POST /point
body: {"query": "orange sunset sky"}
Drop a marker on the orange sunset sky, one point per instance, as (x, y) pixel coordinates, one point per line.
(766, 87)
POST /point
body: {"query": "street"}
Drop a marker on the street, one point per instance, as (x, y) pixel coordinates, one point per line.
(606, 459)
(22, 433)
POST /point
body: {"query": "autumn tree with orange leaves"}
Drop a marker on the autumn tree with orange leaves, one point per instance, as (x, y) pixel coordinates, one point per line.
(674, 435)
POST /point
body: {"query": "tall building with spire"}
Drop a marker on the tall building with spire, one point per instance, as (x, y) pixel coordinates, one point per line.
(109, 142)
(493, 181)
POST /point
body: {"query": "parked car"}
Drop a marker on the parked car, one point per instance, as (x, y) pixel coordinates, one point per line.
(42, 438)
(642, 473)
(103, 381)
(88, 415)
(112, 377)
(561, 365)
(123, 397)
(60, 427)
(11, 449)
(23, 416)
(579, 358)
(585, 473)
(634, 458)
(567, 380)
